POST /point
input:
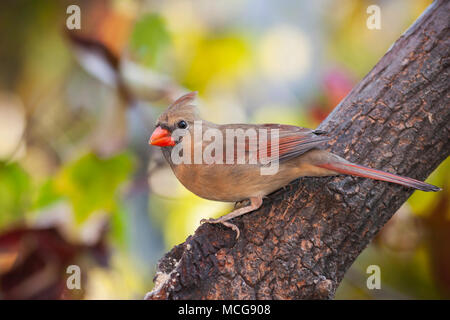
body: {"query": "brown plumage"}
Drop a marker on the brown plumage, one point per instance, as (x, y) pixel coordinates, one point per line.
(297, 154)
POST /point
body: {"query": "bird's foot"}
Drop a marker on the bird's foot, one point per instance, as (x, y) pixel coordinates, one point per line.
(255, 203)
(225, 223)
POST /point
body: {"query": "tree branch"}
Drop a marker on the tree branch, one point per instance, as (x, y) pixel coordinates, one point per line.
(303, 239)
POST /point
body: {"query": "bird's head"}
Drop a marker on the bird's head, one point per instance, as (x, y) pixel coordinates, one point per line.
(180, 116)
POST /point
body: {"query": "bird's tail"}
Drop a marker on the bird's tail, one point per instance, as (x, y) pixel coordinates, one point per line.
(361, 171)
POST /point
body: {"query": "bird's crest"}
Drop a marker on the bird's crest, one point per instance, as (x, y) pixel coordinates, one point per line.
(182, 108)
(182, 101)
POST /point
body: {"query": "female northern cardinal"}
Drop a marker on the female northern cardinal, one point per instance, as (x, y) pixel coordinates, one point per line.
(296, 153)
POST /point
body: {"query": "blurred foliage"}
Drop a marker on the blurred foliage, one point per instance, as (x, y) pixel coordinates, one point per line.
(423, 203)
(90, 183)
(49, 251)
(150, 39)
(15, 188)
(221, 58)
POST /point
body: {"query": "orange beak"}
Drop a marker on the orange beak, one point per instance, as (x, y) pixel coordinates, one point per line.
(162, 138)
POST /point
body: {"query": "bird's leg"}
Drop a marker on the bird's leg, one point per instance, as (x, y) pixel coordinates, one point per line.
(241, 204)
(255, 203)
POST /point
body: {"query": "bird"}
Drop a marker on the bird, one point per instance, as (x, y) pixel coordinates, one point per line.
(297, 153)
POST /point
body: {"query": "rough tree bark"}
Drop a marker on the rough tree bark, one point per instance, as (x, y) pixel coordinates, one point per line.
(303, 239)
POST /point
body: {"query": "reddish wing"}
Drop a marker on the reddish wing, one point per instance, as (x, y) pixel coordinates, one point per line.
(295, 141)
(292, 142)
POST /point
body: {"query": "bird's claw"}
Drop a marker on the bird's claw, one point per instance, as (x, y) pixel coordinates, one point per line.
(225, 223)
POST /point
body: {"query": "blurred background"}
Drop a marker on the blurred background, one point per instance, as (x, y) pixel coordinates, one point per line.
(79, 183)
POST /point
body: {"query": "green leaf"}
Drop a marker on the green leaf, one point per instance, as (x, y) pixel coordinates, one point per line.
(90, 183)
(46, 195)
(15, 189)
(149, 39)
(119, 224)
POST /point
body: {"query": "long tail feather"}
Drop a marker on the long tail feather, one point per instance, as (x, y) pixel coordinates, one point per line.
(361, 171)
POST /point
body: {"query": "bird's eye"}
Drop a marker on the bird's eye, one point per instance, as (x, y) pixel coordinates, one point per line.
(182, 124)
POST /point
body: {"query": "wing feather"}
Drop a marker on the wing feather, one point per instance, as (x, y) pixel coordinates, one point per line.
(293, 141)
